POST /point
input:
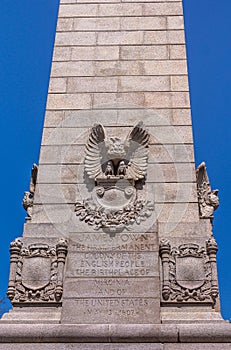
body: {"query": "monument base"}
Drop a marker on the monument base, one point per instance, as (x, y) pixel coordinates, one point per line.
(113, 337)
(32, 315)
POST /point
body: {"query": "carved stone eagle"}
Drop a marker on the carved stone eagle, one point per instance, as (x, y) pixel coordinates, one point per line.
(208, 199)
(116, 158)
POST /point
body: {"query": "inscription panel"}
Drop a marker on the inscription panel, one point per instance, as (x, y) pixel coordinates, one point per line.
(112, 264)
(120, 242)
(112, 287)
(112, 279)
(111, 310)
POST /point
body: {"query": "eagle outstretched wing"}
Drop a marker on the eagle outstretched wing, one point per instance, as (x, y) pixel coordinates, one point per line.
(203, 183)
(95, 150)
(137, 152)
(208, 199)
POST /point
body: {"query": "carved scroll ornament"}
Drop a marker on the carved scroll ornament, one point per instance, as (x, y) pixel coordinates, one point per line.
(189, 273)
(36, 272)
(208, 199)
(116, 167)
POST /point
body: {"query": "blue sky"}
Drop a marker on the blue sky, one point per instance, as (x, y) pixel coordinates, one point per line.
(27, 30)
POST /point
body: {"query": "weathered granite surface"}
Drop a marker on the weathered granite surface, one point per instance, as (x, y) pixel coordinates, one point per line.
(148, 284)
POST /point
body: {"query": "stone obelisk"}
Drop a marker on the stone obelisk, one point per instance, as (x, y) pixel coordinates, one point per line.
(117, 246)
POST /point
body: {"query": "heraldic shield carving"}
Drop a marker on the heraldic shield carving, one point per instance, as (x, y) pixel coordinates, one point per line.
(117, 168)
(36, 272)
(189, 273)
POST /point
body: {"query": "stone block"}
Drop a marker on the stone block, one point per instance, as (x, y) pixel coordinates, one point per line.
(109, 68)
(167, 100)
(63, 69)
(69, 101)
(197, 346)
(179, 83)
(171, 154)
(77, 10)
(49, 154)
(39, 333)
(81, 346)
(177, 52)
(178, 172)
(157, 52)
(205, 333)
(168, 67)
(97, 24)
(73, 154)
(183, 153)
(174, 193)
(58, 174)
(143, 23)
(202, 228)
(120, 38)
(190, 315)
(163, 9)
(177, 212)
(53, 119)
(158, 100)
(61, 53)
(32, 315)
(150, 117)
(181, 116)
(43, 231)
(102, 53)
(55, 193)
(175, 22)
(92, 84)
(151, 333)
(153, 1)
(75, 38)
(120, 10)
(180, 100)
(144, 83)
(164, 37)
(88, 118)
(68, 1)
(170, 134)
(54, 213)
(58, 85)
(65, 25)
(97, 1)
(118, 100)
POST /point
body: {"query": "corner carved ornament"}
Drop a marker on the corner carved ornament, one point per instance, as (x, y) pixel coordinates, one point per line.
(189, 273)
(117, 169)
(36, 272)
(28, 199)
(208, 199)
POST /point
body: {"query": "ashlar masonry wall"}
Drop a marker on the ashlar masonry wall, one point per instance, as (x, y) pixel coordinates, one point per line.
(116, 63)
